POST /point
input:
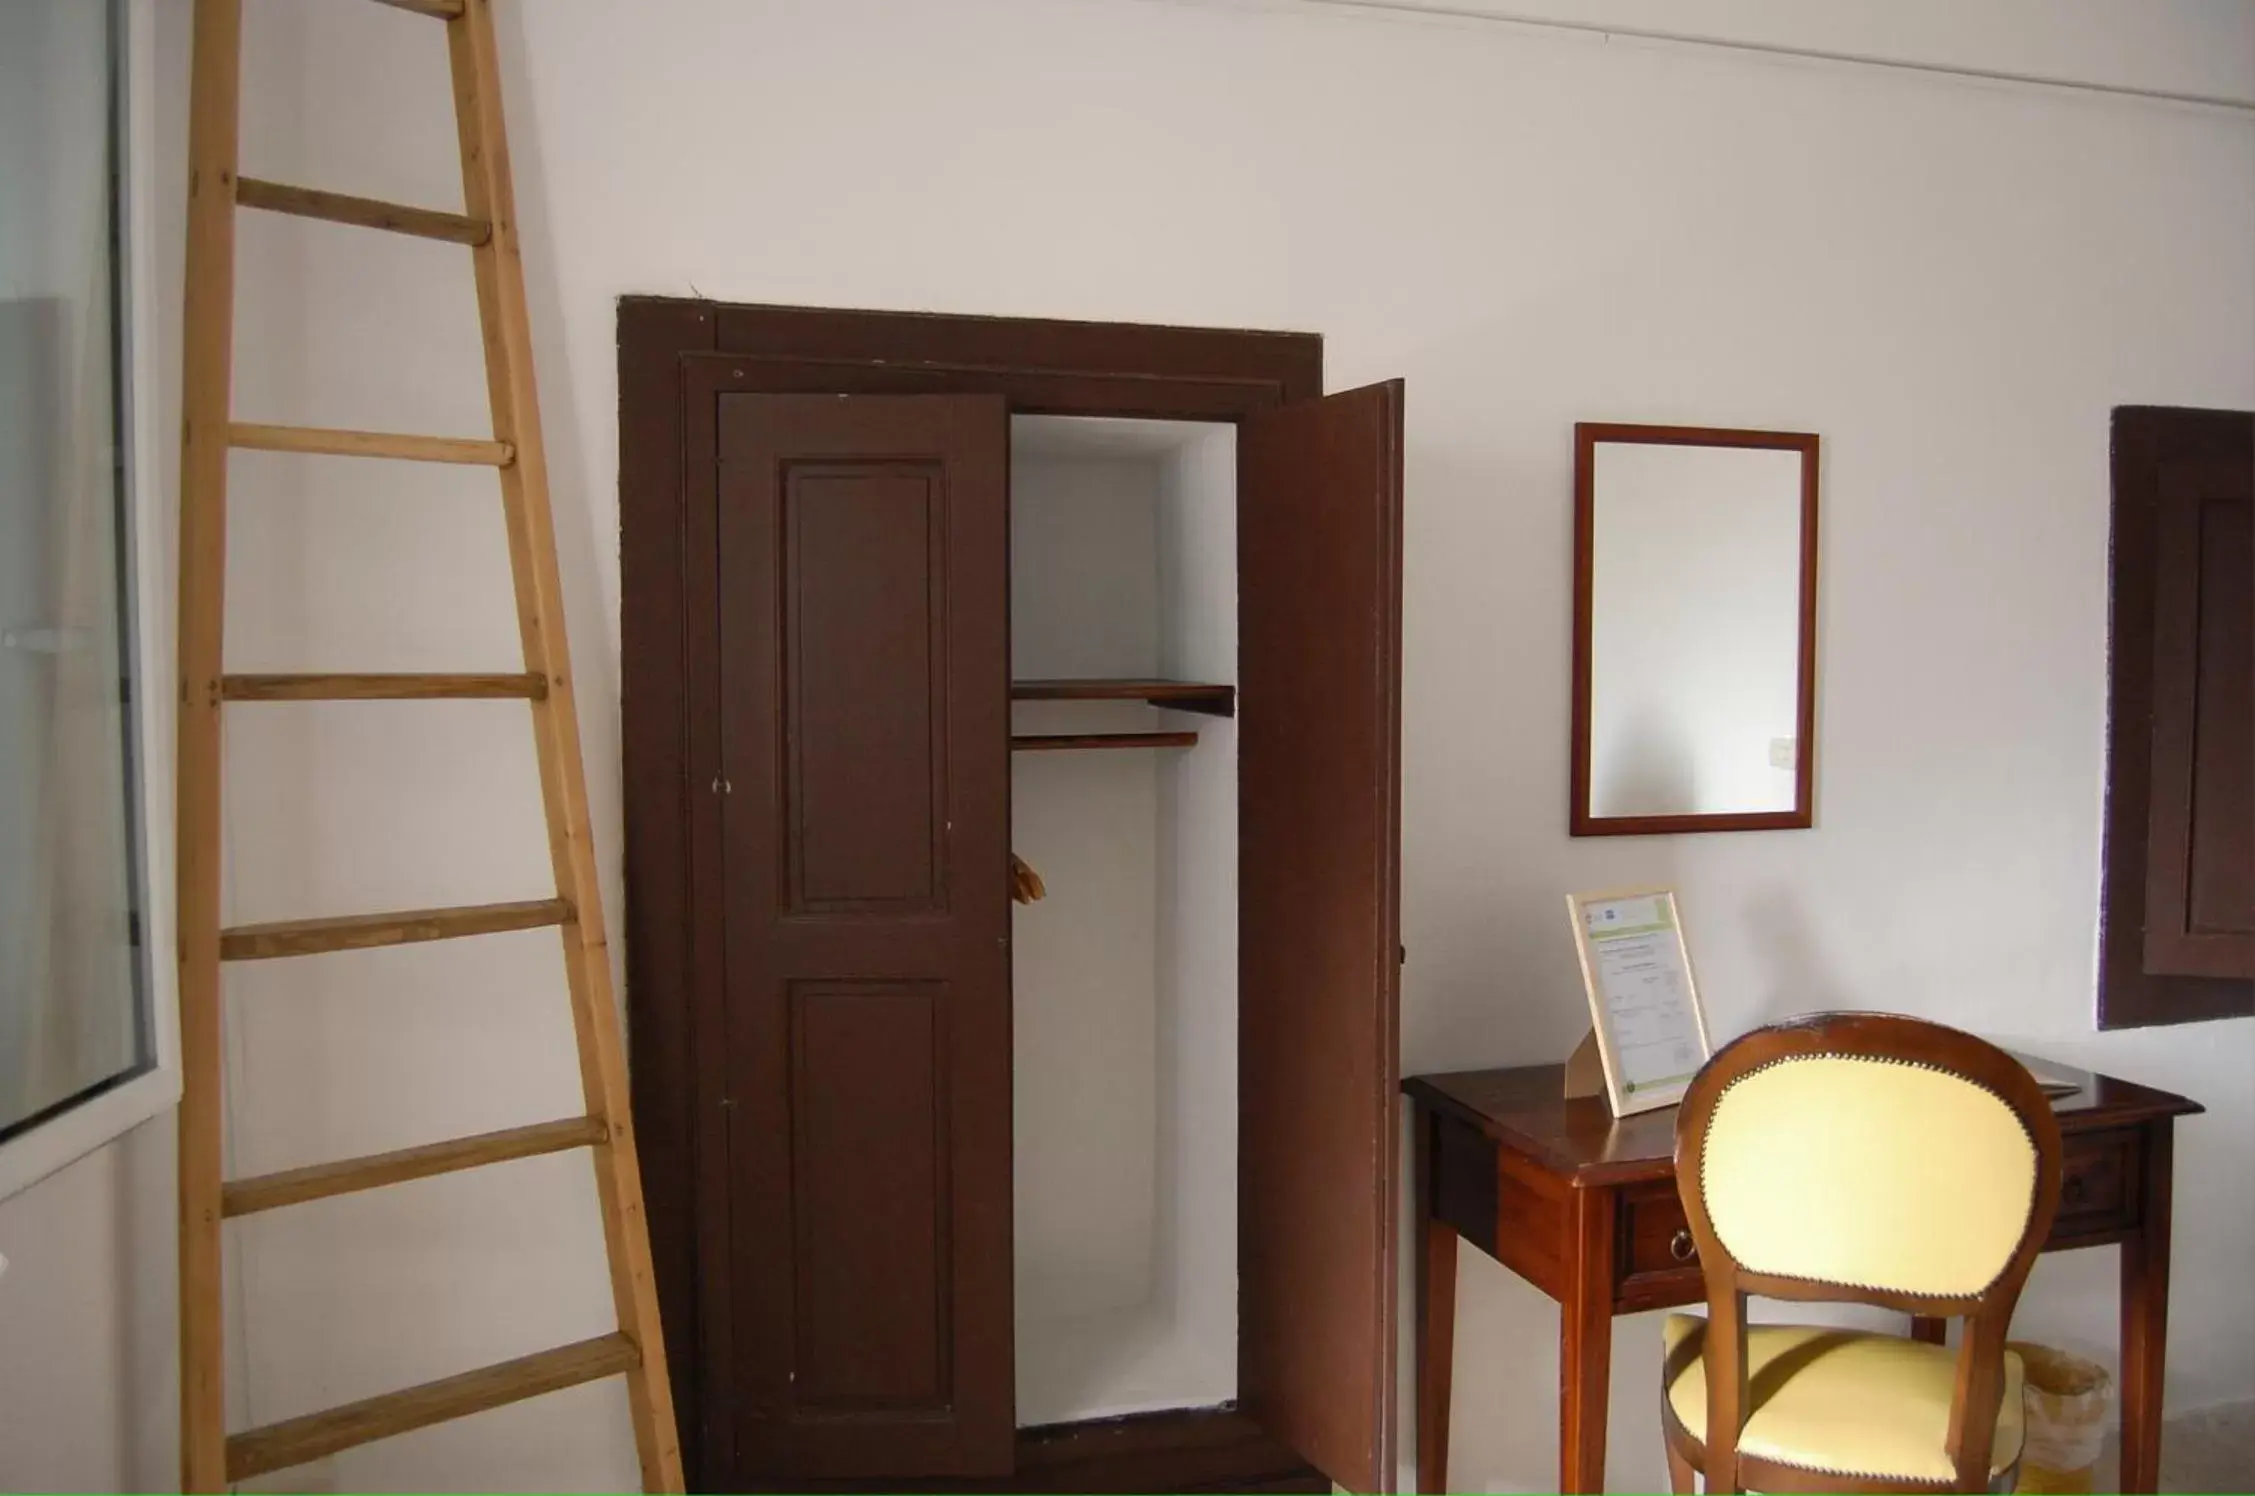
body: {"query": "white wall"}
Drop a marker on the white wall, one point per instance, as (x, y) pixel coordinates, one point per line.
(89, 1392)
(1952, 281)
(1197, 934)
(1084, 575)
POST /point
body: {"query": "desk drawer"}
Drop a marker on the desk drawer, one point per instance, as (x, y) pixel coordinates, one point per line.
(1655, 1264)
(2100, 1185)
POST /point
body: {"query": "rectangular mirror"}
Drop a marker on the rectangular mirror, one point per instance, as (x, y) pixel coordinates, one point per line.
(1695, 598)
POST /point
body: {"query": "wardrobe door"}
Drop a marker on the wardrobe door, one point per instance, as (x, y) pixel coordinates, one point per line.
(864, 805)
(1319, 732)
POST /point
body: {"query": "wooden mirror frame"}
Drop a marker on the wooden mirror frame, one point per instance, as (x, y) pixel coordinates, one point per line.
(1587, 434)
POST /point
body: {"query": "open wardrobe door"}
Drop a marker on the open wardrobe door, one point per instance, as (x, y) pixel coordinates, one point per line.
(860, 1316)
(1319, 712)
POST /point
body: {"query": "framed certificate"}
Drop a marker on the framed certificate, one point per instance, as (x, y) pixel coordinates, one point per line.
(1644, 1004)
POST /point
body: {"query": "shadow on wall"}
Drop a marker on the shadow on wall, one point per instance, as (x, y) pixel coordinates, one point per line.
(580, 500)
(148, 1412)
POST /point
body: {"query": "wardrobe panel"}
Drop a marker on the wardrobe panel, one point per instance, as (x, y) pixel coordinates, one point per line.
(2220, 885)
(869, 1158)
(2200, 832)
(1319, 733)
(864, 599)
(654, 612)
(863, 796)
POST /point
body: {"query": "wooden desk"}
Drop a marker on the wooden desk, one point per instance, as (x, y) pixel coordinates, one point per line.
(1583, 1206)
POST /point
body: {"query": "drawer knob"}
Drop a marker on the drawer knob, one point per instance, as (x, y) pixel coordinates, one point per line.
(2072, 1190)
(1681, 1247)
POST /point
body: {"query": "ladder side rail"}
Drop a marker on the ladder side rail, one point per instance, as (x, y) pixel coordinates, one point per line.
(489, 195)
(207, 358)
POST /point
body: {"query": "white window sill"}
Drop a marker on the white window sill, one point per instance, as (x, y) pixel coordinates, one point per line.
(67, 1138)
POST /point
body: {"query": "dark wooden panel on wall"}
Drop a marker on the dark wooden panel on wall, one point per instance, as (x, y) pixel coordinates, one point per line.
(2176, 907)
(865, 997)
(2200, 835)
(1319, 713)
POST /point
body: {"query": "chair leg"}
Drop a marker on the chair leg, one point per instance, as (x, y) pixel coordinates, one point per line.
(1679, 1471)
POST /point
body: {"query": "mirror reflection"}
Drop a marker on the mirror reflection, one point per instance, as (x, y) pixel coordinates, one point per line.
(1693, 629)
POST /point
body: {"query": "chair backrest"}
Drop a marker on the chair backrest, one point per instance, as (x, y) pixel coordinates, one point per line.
(1867, 1158)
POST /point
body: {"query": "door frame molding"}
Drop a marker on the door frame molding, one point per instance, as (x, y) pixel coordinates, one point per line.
(673, 351)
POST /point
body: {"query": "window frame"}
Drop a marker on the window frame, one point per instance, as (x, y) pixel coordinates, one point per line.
(2146, 439)
(108, 1113)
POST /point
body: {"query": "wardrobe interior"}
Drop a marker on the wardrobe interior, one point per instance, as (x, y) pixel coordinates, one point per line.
(1123, 568)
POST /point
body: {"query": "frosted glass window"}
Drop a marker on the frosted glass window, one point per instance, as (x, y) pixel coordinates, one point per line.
(74, 991)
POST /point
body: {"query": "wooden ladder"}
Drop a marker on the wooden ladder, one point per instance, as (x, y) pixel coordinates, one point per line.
(209, 1457)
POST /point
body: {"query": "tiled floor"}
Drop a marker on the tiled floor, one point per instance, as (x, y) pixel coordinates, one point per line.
(2208, 1451)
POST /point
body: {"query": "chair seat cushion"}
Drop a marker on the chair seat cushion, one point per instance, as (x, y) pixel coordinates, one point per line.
(1840, 1401)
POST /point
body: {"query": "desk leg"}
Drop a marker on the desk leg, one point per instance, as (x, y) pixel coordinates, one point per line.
(2145, 1318)
(1436, 1351)
(1585, 1349)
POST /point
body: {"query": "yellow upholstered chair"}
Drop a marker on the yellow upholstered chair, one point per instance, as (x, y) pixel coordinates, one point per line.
(1860, 1158)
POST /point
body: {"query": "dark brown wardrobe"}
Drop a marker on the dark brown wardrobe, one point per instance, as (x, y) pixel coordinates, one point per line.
(817, 581)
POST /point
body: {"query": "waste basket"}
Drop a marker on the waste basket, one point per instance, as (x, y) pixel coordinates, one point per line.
(2068, 1399)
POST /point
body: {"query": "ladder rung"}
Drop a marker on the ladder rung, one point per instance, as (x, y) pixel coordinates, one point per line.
(356, 932)
(382, 687)
(239, 1197)
(366, 212)
(371, 444)
(445, 10)
(297, 1440)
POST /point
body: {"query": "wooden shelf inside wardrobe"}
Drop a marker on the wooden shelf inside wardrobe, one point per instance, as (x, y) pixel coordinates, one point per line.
(1178, 695)
(1060, 742)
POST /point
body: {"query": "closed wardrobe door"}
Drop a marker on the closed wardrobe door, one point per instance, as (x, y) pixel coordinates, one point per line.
(861, 1209)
